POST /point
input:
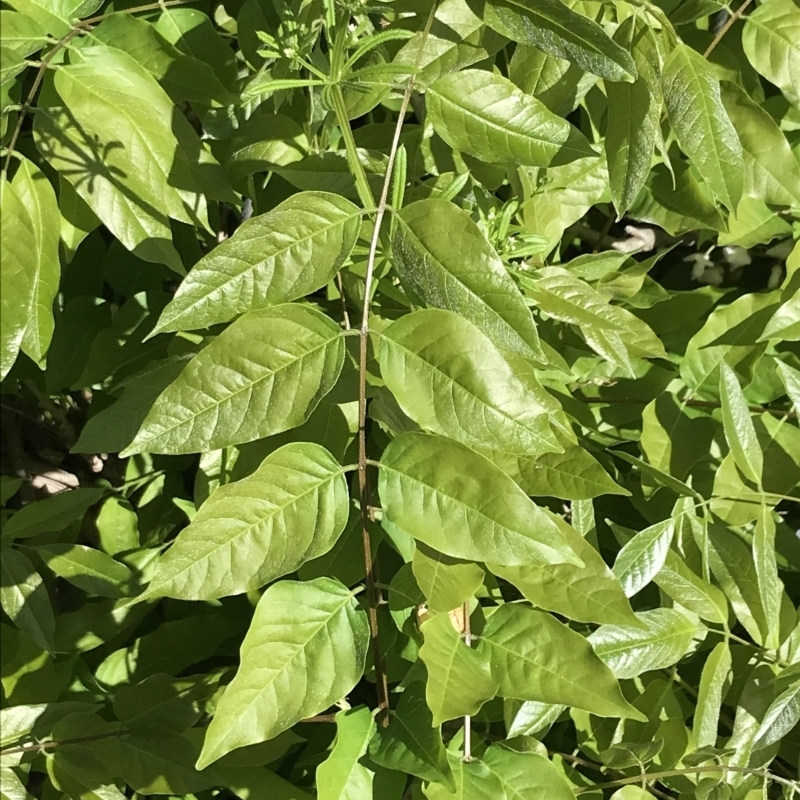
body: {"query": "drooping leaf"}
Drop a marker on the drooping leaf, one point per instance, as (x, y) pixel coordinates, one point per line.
(535, 657)
(487, 116)
(701, 124)
(342, 776)
(452, 380)
(291, 509)
(634, 115)
(640, 559)
(630, 652)
(411, 743)
(770, 588)
(553, 27)
(459, 680)
(23, 596)
(781, 717)
(587, 594)
(456, 501)
(274, 258)
(739, 429)
(281, 360)
(713, 685)
(305, 650)
(442, 256)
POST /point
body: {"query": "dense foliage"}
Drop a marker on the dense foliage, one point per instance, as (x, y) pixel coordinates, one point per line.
(400, 400)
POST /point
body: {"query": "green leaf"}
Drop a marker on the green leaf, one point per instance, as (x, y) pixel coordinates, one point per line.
(159, 699)
(678, 581)
(442, 256)
(713, 686)
(780, 718)
(640, 559)
(56, 16)
(11, 787)
(771, 41)
(305, 650)
(291, 509)
(21, 33)
(281, 360)
(701, 124)
(115, 120)
(342, 776)
(77, 219)
(88, 569)
(770, 588)
(634, 116)
(457, 502)
(459, 680)
(571, 475)
(183, 78)
(558, 30)
(771, 170)
(8, 488)
(411, 743)
(487, 116)
(531, 717)
(535, 657)
(51, 514)
(791, 381)
(457, 39)
(44, 270)
(274, 258)
(785, 324)
(19, 248)
(587, 594)
(628, 652)
(263, 143)
(446, 582)
(452, 380)
(729, 334)
(739, 429)
(526, 775)
(23, 596)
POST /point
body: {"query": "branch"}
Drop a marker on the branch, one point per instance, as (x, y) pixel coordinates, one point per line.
(726, 27)
(52, 744)
(363, 489)
(694, 403)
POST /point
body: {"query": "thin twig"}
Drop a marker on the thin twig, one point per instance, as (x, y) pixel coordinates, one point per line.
(726, 27)
(79, 27)
(51, 744)
(363, 488)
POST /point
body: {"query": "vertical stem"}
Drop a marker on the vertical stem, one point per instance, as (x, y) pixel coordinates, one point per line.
(356, 167)
(363, 487)
(467, 719)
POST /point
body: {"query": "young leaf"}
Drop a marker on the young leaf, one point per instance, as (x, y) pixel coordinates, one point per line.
(640, 559)
(634, 116)
(342, 776)
(452, 380)
(291, 509)
(770, 588)
(713, 685)
(442, 256)
(411, 743)
(456, 501)
(535, 657)
(459, 680)
(629, 652)
(305, 650)
(701, 124)
(553, 27)
(487, 116)
(274, 258)
(587, 594)
(281, 360)
(446, 582)
(23, 596)
(739, 429)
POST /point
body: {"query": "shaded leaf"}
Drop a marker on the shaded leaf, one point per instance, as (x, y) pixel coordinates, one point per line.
(23, 596)
(342, 776)
(88, 569)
